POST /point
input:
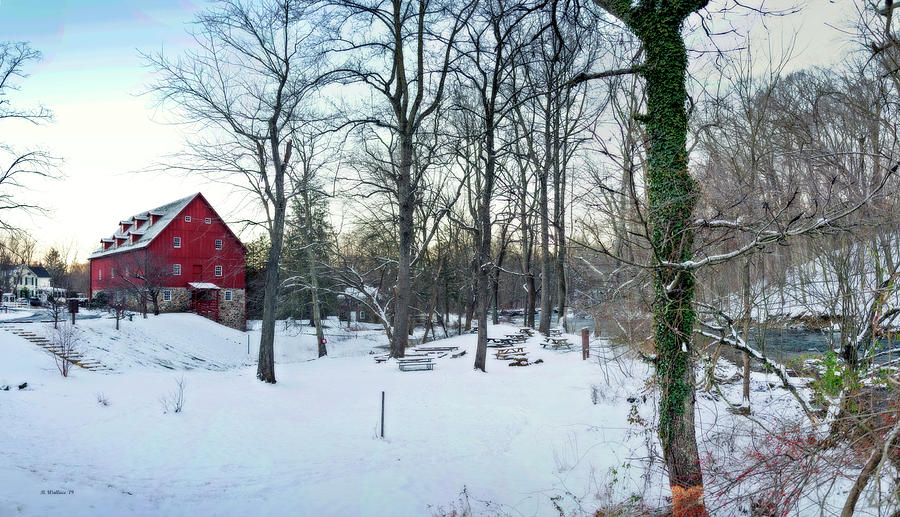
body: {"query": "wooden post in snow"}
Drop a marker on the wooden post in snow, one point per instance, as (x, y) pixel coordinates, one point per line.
(585, 343)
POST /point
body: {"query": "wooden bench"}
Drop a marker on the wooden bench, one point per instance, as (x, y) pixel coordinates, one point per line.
(415, 363)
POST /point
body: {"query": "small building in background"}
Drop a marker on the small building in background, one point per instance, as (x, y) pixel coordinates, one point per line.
(184, 251)
(23, 281)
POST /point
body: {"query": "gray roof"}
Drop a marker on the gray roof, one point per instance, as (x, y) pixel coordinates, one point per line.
(40, 272)
(167, 213)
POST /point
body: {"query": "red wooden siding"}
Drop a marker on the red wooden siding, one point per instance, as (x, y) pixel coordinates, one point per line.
(197, 255)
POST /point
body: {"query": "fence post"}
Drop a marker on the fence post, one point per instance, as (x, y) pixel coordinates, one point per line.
(585, 343)
(382, 415)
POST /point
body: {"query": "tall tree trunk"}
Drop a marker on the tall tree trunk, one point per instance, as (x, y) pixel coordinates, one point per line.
(527, 250)
(495, 281)
(559, 223)
(543, 209)
(672, 195)
(746, 331)
(404, 271)
(484, 245)
(314, 286)
(432, 303)
(265, 369)
(530, 298)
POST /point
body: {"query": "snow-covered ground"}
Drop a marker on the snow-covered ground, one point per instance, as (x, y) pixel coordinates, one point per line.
(11, 314)
(518, 441)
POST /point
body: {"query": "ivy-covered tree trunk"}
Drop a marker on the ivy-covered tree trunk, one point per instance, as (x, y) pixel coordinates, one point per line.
(672, 195)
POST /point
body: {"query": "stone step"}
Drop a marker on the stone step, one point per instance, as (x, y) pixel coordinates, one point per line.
(75, 358)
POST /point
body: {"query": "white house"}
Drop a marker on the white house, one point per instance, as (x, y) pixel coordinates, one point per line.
(31, 280)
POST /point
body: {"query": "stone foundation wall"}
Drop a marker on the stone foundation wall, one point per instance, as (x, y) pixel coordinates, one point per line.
(180, 302)
(231, 313)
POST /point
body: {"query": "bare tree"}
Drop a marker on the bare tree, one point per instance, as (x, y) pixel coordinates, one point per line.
(495, 36)
(143, 275)
(307, 232)
(18, 166)
(247, 83)
(65, 338)
(402, 52)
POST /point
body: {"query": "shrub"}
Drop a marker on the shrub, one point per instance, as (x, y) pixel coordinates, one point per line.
(65, 338)
(173, 402)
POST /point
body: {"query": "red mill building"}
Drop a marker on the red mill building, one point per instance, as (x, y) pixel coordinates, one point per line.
(184, 250)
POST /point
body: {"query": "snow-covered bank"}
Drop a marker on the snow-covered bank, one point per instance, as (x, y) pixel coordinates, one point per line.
(520, 440)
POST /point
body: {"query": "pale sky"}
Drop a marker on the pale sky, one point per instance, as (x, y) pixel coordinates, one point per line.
(91, 77)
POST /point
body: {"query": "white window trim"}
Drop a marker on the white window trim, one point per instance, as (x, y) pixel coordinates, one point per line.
(187, 218)
(208, 220)
(99, 274)
(219, 270)
(176, 269)
(112, 272)
(167, 295)
(219, 244)
(228, 296)
(176, 242)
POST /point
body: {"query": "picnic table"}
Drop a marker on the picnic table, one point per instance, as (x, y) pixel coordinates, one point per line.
(510, 353)
(415, 363)
(517, 338)
(495, 342)
(554, 332)
(436, 348)
(556, 342)
(526, 331)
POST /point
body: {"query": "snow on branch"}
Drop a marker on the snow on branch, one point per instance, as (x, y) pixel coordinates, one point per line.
(764, 236)
(729, 335)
